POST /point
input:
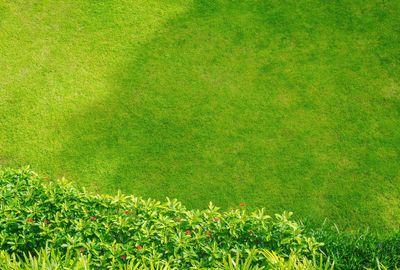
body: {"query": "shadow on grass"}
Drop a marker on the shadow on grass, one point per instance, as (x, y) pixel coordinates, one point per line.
(179, 121)
(224, 105)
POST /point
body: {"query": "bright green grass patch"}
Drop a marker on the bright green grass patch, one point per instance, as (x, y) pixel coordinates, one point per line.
(279, 104)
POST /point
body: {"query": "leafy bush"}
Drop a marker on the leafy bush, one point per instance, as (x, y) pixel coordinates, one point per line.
(37, 213)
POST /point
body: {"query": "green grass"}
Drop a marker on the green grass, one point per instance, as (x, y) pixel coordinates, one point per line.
(279, 104)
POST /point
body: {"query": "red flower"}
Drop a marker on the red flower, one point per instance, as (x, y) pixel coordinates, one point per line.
(179, 218)
(82, 250)
(127, 212)
(188, 232)
(93, 218)
(139, 247)
(115, 247)
(30, 220)
(123, 257)
(216, 219)
(242, 204)
(46, 178)
(46, 221)
(208, 233)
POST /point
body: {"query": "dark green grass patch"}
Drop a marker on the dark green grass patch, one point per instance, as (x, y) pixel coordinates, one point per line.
(279, 104)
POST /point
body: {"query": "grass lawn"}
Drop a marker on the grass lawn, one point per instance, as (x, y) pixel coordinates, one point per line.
(287, 105)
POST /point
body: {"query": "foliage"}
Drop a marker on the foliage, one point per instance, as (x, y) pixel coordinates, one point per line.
(36, 212)
(51, 259)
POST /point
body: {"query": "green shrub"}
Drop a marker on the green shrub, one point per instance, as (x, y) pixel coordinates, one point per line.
(37, 213)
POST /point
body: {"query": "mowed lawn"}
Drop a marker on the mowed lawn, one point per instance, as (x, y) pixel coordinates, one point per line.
(286, 105)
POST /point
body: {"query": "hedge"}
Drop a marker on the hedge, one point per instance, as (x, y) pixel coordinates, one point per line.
(38, 213)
